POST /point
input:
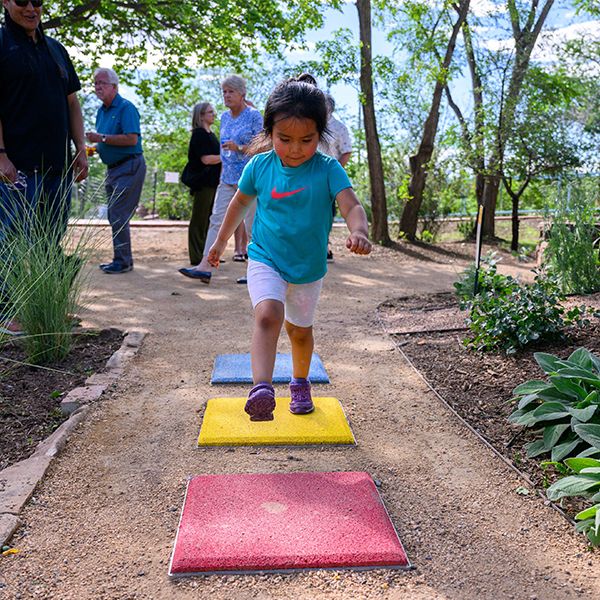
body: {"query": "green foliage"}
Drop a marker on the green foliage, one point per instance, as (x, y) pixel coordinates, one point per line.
(585, 482)
(571, 254)
(174, 205)
(564, 409)
(466, 227)
(509, 315)
(42, 278)
(175, 35)
(489, 280)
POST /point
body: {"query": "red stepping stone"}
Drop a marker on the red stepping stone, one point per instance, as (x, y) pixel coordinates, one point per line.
(282, 522)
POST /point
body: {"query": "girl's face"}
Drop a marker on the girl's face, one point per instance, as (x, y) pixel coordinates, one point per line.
(295, 140)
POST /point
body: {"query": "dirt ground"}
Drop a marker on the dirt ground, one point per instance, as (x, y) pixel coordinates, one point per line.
(103, 522)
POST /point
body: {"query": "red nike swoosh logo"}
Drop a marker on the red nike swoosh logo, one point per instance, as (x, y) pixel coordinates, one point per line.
(278, 195)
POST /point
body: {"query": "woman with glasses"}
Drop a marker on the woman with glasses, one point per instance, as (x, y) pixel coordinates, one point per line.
(239, 125)
(201, 175)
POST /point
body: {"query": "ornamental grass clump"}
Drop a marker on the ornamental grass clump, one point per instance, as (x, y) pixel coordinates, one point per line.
(42, 278)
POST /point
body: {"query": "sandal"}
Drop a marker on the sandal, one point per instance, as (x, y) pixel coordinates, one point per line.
(239, 257)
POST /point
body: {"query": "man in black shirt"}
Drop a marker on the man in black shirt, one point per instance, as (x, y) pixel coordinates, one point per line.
(39, 117)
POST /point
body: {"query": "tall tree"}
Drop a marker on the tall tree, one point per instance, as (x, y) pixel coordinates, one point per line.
(420, 160)
(379, 225)
(526, 23)
(178, 37)
(535, 149)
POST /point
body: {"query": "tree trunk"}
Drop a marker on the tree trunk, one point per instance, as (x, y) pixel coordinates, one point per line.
(418, 162)
(379, 226)
(489, 198)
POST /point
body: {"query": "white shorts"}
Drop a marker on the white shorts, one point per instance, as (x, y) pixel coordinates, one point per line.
(299, 299)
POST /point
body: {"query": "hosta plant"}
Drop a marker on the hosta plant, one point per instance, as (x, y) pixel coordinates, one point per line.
(564, 409)
(585, 482)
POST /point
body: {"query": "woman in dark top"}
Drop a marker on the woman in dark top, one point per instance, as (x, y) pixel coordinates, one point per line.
(204, 169)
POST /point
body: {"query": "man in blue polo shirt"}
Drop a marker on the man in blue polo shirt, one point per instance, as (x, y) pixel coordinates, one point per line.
(119, 144)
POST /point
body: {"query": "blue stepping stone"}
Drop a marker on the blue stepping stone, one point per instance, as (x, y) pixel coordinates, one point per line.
(235, 368)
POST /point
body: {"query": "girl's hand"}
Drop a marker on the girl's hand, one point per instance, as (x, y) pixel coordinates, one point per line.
(358, 243)
(215, 253)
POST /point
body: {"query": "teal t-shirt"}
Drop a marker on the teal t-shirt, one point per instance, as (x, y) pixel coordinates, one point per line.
(293, 213)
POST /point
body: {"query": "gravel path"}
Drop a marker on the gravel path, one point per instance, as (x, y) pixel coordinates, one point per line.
(102, 523)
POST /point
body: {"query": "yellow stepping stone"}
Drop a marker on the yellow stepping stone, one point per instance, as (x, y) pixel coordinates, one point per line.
(226, 424)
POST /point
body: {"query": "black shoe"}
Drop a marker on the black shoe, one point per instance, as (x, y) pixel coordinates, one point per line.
(104, 265)
(329, 256)
(242, 279)
(116, 269)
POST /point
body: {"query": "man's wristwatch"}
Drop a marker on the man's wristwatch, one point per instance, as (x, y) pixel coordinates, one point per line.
(103, 138)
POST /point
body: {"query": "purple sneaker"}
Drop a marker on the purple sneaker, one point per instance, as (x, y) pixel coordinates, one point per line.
(261, 402)
(301, 403)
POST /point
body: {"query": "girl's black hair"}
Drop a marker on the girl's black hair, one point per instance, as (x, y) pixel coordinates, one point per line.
(294, 98)
(298, 99)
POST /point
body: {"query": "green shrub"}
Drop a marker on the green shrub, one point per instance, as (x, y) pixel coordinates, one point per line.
(175, 205)
(466, 227)
(510, 315)
(489, 280)
(565, 409)
(570, 254)
(584, 483)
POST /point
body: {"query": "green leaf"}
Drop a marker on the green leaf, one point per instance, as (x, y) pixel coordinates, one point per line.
(588, 513)
(574, 485)
(562, 450)
(550, 411)
(527, 400)
(536, 448)
(590, 432)
(581, 357)
(552, 434)
(548, 362)
(591, 451)
(576, 464)
(581, 374)
(568, 387)
(583, 414)
(531, 387)
(591, 471)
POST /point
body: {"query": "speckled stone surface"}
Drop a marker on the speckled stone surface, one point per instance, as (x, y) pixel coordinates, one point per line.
(226, 424)
(284, 521)
(235, 368)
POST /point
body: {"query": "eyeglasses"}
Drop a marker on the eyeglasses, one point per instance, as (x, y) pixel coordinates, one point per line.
(24, 3)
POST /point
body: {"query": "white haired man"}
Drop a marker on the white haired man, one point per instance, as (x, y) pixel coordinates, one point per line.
(118, 140)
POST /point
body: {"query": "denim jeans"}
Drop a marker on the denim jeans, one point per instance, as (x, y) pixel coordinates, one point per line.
(123, 188)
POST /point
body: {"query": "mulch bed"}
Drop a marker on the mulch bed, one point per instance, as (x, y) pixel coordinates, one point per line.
(30, 397)
(479, 386)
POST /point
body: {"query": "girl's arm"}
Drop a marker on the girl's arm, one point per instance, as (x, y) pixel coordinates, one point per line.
(356, 220)
(233, 217)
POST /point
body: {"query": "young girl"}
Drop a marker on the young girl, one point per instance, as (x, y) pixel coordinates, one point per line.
(294, 187)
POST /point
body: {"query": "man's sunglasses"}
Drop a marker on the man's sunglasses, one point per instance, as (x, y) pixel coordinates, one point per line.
(24, 3)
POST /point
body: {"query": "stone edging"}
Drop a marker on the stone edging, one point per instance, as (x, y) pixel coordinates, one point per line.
(18, 481)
